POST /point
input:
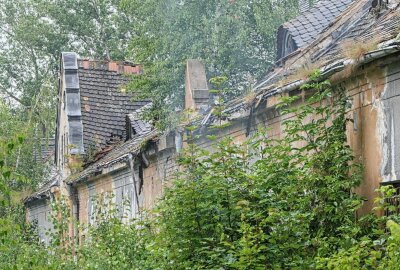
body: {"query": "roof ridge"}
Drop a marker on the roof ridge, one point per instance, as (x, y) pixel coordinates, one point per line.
(126, 67)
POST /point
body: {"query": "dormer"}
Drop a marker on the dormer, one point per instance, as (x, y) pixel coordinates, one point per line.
(304, 29)
(135, 125)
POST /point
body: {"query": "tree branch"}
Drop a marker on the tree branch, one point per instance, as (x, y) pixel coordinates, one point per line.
(11, 95)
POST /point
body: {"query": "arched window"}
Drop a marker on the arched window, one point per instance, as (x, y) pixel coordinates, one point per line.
(289, 45)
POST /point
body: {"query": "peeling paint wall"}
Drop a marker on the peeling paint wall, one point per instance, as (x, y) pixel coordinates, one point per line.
(391, 124)
(161, 170)
(115, 189)
(363, 133)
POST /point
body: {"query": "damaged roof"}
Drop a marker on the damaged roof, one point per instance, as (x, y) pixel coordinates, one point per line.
(44, 190)
(358, 23)
(118, 154)
(104, 101)
(136, 123)
(308, 25)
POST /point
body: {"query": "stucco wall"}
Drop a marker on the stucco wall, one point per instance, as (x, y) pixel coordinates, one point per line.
(161, 170)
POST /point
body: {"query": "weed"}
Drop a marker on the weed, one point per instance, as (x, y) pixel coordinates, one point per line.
(355, 49)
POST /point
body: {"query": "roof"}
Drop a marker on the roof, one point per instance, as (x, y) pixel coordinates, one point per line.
(309, 25)
(44, 190)
(118, 154)
(47, 150)
(356, 23)
(137, 124)
(104, 102)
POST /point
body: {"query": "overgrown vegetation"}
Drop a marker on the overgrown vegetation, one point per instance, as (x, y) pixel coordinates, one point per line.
(355, 49)
(268, 203)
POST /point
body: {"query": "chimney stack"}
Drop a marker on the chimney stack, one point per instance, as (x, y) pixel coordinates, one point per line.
(196, 86)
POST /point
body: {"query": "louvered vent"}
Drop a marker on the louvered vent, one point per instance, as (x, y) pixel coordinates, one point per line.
(70, 60)
(73, 104)
(71, 80)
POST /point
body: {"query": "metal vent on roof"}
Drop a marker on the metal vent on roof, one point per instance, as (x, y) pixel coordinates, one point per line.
(70, 60)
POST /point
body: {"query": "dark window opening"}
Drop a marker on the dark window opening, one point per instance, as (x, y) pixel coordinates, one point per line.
(394, 200)
(289, 45)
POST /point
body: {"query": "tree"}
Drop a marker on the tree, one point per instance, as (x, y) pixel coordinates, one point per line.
(95, 28)
(234, 38)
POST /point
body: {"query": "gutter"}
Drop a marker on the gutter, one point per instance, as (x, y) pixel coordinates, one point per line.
(329, 70)
(98, 170)
(392, 47)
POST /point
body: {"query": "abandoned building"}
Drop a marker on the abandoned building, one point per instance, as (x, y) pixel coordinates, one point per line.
(354, 44)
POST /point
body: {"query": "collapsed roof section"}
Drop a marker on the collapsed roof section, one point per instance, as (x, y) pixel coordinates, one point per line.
(360, 23)
(120, 154)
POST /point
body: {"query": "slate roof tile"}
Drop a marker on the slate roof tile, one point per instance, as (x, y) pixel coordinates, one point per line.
(103, 105)
(354, 22)
(310, 23)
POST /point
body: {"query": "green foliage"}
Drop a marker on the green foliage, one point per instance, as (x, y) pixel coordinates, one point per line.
(19, 248)
(268, 203)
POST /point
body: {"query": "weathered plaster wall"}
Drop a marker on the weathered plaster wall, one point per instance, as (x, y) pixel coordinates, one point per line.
(38, 214)
(117, 185)
(161, 170)
(364, 133)
(373, 134)
(391, 124)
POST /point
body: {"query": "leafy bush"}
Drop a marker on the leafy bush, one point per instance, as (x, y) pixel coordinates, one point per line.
(268, 203)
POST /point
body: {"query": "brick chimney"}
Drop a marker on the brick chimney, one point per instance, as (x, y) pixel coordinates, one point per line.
(196, 87)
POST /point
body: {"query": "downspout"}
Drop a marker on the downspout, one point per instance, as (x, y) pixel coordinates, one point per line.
(75, 212)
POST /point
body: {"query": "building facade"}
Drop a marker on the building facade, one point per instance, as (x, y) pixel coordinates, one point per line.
(354, 44)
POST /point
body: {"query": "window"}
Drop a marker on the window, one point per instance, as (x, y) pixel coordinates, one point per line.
(395, 200)
(289, 45)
